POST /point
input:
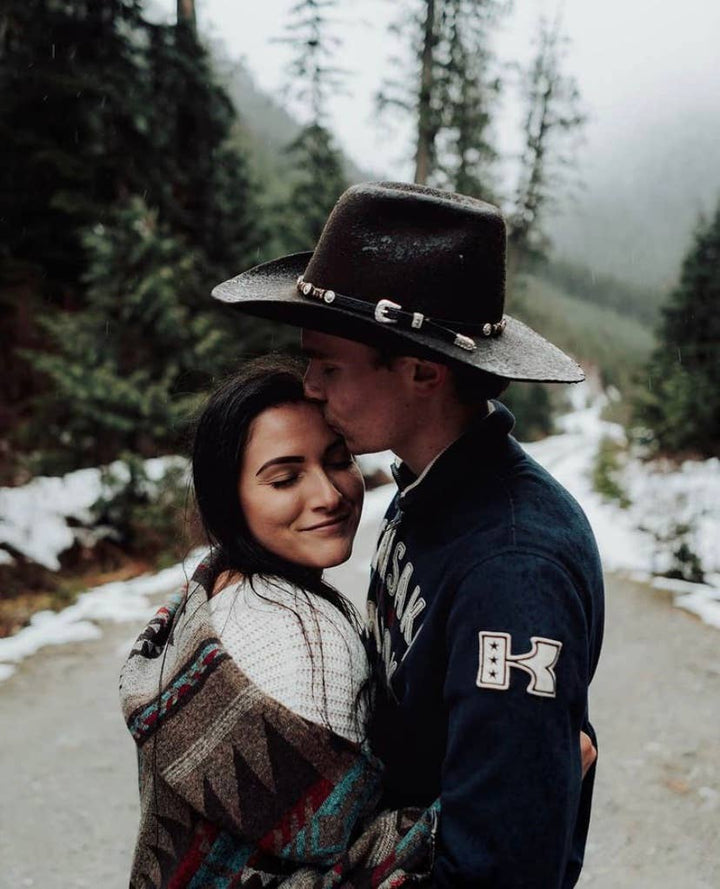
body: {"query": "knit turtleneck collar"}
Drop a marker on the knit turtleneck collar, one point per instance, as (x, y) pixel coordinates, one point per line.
(481, 439)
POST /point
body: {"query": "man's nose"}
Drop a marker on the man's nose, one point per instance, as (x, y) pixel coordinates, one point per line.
(312, 383)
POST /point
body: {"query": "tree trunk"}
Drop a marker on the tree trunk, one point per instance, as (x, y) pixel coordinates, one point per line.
(186, 14)
(423, 155)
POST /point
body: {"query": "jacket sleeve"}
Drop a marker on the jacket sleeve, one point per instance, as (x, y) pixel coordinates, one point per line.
(516, 693)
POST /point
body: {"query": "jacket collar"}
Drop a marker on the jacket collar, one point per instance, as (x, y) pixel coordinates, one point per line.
(485, 437)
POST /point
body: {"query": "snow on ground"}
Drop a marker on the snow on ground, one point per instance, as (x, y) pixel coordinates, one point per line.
(129, 600)
(33, 517)
(640, 539)
(636, 541)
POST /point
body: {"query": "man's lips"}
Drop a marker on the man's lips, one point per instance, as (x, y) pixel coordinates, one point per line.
(332, 423)
(329, 523)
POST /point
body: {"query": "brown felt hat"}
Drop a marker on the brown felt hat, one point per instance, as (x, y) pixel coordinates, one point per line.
(411, 266)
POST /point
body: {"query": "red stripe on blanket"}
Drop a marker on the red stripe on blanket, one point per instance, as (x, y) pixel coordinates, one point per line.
(203, 839)
(296, 818)
(382, 870)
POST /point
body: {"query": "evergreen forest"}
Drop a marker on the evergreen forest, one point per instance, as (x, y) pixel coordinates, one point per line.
(139, 169)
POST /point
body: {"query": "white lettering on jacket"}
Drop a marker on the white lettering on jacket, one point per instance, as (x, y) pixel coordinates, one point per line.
(396, 580)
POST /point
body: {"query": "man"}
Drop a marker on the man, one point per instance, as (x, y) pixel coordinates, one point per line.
(486, 597)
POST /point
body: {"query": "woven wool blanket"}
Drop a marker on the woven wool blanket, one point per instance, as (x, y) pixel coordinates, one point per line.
(238, 791)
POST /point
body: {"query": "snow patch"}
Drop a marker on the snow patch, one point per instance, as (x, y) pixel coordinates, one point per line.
(380, 462)
(640, 540)
(33, 518)
(118, 601)
(701, 599)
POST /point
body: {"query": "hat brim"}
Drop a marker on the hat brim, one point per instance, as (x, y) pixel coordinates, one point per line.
(269, 291)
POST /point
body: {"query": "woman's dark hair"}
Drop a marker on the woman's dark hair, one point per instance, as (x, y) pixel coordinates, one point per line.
(221, 436)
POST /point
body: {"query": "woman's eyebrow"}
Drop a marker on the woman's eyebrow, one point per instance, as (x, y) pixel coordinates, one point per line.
(278, 461)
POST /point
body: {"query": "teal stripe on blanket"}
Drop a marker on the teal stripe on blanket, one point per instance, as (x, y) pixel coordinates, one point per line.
(422, 828)
(307, 845)
(225, 860)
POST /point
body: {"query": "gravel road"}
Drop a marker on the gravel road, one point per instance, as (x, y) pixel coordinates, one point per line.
(68, 780)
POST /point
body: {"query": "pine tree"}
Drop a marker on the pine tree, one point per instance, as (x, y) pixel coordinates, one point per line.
(319, 183)
(201, 186)
(98, 106)
(468, 92)
(532, 406)
(203, 190)
(449, 91)
(681, 402)
(319, 177)
(552, 119)
(73, 135)
(122, 366)
(428, 116)
(72, 129)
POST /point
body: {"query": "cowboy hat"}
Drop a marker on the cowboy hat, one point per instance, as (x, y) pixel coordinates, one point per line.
(410, 265)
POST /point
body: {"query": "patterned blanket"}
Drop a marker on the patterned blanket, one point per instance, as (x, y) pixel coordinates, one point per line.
(238, 791)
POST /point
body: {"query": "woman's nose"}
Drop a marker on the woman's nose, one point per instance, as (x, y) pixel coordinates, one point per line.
(325, 495)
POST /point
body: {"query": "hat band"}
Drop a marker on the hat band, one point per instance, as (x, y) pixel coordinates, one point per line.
(387, 312)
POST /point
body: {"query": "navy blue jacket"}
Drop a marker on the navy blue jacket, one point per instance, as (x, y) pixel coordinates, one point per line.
(486, 607)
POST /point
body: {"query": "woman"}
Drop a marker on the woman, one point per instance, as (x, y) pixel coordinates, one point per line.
(246, 695)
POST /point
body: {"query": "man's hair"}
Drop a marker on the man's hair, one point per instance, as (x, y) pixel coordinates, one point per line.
(472, 386)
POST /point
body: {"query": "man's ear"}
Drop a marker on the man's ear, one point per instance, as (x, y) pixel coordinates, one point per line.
(429, 376)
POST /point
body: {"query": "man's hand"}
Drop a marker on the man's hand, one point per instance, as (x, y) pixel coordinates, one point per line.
(587, 752)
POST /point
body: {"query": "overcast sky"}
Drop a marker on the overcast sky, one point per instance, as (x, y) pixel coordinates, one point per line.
(632, 58)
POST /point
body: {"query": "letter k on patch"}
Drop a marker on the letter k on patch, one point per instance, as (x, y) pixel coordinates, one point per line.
(496, 660)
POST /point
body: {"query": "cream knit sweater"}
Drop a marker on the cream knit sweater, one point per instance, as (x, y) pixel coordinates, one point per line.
(306, 656)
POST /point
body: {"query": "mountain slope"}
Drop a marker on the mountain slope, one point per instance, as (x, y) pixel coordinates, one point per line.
(597, 336)
(646, 183)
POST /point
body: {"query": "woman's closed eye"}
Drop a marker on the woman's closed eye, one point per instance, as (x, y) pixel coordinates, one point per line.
(285, 482)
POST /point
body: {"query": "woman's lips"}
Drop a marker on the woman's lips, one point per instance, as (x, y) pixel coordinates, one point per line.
(330, 525)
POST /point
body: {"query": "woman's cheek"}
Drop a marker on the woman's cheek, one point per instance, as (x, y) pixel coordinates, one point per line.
(358, 487)
(351, 485)
(286, 507)
(269, 512)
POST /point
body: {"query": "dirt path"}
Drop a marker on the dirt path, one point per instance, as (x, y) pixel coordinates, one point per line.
(69, 792)
(656, 705)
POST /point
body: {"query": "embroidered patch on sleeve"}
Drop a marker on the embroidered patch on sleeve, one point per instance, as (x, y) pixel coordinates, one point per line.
(496, 660)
